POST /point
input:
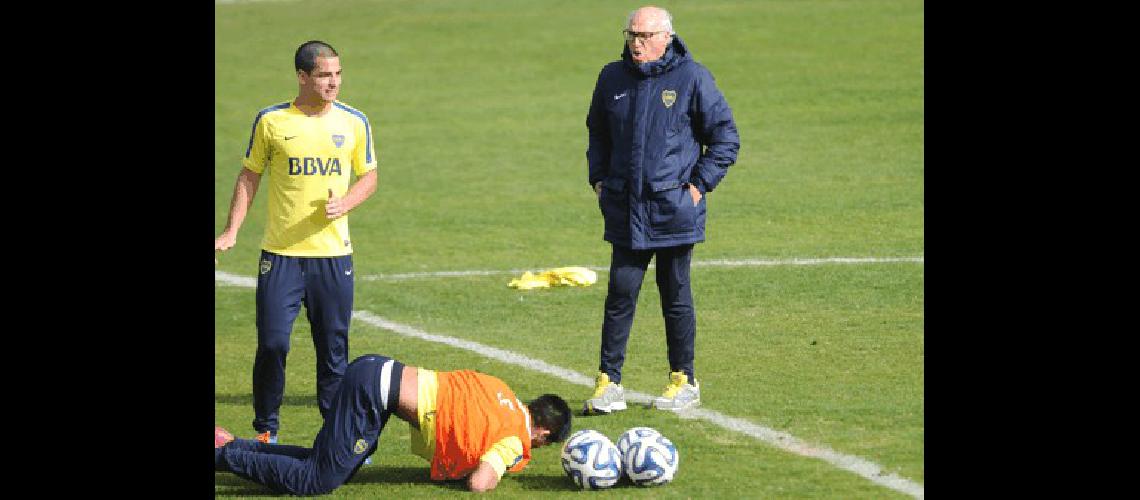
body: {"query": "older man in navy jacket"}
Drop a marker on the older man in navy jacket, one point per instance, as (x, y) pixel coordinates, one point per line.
(661, 137)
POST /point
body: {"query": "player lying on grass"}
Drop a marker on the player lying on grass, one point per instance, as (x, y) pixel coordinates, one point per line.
(466, 424)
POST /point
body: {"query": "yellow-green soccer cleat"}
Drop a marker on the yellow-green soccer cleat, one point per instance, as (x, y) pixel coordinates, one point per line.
(608, 397)
(679, 394)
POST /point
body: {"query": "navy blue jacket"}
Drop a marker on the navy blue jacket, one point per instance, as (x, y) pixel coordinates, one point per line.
(655, 128)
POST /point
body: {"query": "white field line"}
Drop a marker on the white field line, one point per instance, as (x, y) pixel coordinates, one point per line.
(698, 263)
(234, 280)
(779, 439)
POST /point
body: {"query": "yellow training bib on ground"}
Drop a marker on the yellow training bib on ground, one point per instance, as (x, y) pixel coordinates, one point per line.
(305, 156)
(562, 276)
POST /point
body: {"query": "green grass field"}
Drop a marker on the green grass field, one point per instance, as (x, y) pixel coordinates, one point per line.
(478, 111)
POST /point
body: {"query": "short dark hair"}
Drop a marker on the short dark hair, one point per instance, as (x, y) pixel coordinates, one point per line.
(306, 57)
(551, 412)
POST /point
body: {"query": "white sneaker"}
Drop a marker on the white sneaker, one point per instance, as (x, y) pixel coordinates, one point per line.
(679, 394)
(608, 397)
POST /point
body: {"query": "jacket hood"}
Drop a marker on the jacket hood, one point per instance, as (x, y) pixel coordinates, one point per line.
(676, 54)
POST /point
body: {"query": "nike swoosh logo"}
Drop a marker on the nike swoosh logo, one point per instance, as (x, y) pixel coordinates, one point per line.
(348, 272)
(616, 97)
(289, 137)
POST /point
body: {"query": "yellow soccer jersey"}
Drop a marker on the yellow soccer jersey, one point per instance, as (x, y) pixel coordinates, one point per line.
(304, 157)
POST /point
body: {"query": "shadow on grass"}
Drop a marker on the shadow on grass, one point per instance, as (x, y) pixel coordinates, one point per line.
(230, 484)
(537, 482)
(247, 399)
(422, 475)
(562, 482)
(391, 475)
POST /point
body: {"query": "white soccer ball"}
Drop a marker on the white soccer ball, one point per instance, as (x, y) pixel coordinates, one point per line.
(591, 460)
(651, 461)
(634, 435)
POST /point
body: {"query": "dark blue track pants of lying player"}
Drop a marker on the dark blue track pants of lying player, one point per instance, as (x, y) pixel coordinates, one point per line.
(367, 396)
(627, 270)
(324, 286)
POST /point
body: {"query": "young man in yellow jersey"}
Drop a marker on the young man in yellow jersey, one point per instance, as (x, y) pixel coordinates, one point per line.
(468, 425)
(309, 148)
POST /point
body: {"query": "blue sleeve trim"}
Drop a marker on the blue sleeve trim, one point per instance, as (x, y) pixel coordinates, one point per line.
(261, 113)
(367, 130)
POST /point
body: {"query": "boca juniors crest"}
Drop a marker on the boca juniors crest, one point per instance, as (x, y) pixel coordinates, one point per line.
(338, 140)
(669, 97)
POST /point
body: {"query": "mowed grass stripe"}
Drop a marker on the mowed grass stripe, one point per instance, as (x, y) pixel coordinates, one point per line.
(783, 440)
(245, 281)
